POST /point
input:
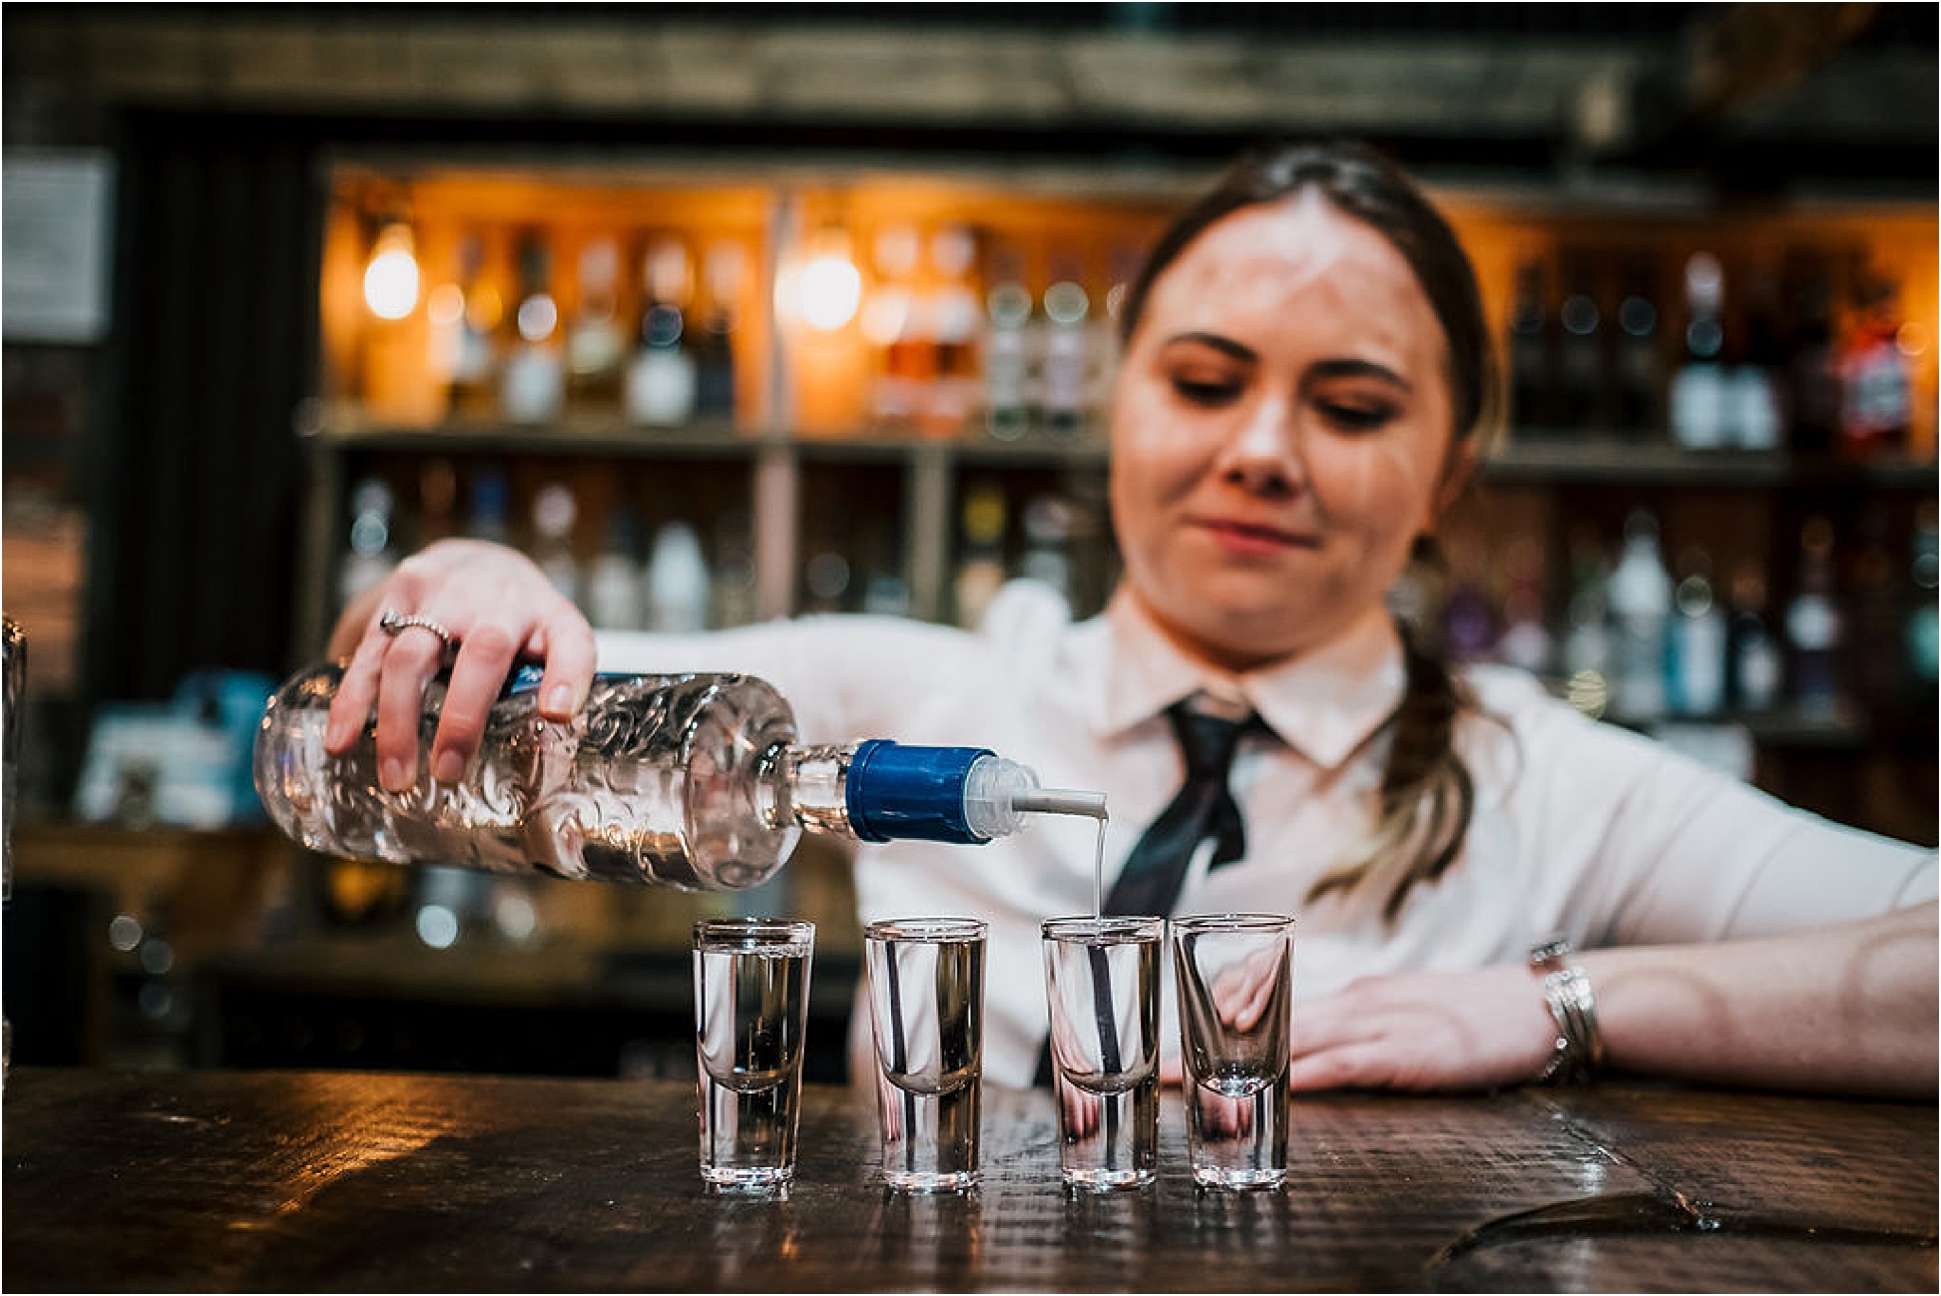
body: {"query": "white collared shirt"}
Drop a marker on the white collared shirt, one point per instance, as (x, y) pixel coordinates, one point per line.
(1579, 827)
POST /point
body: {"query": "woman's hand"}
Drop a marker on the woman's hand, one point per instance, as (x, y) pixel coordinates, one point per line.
(499, 608)
(1425, 1030)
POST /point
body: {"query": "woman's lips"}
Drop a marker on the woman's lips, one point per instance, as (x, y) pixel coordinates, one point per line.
(1253, 538)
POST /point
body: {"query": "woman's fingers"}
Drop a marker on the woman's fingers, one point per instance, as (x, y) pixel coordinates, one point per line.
(409, 662)
(478, 673)
(565, 640)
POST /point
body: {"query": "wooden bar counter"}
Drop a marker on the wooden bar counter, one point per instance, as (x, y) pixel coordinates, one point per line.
(221, 1181)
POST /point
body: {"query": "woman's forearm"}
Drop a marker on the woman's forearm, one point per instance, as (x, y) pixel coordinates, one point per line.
(1850, 1008)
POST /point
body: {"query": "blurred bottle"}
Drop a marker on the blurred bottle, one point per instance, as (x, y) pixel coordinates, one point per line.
(1047, 522)
(677, 582)
(826, 578)
(1753, 668)
(1531, 369)
(372, 554)
(661, 381)
(723, 271)
(554, 511)
(905, 360)
(1581, 357)
(1640, 599)
(732, 595)
(1525, 642)
(1698, 395)
(1695, 656)
(487, 518)
(1755, 382)
(596, 341)
(1876, 397)
(1812, 372)
(1919, 637)
(1584, 653)
(954, 316)
(437, 501)
(1066, 355)
(474, 353)
(534, 387)
(1813, 626)
(1007, 358)
(1639, 363)
(980, 563)
(616, 593)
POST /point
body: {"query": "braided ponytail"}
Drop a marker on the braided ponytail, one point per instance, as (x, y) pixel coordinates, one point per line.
(1427, 795)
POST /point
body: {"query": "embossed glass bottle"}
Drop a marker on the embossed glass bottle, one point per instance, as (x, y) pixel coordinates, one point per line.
(689, 781)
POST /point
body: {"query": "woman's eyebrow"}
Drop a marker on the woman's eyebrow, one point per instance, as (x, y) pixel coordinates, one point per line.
(1224, 345)
(1350, 368)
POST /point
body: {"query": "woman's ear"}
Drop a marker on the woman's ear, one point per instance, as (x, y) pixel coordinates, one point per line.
(1458, 466)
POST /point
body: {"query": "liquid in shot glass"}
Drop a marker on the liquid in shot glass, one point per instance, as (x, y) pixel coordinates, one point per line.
(1102, 996)
(1236, 985)
(751, 999)
(926, 999)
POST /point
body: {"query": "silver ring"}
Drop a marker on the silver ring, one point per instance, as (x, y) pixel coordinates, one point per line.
(394, 623)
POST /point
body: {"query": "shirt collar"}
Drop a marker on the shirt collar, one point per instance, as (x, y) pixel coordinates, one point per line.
(1324, 703)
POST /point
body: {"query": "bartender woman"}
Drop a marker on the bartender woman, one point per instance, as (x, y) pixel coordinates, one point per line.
(1306, 374)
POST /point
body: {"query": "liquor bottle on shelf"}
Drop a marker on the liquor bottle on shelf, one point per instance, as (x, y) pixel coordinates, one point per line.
(1584, 646)
(889, 321)
(1531, 370)
(596, 341)
(1581, 361)
(1813, 627)
(980, 563)
(1870, 589)
(487, 519)
(474, 349)
(1753, 384)
(1640, 601)
(615, 584)
(677, 582)
(1754, 669)
(1812, 376)
(724, 266)
(1639, 363)
(1698, 397)
(660, 388)
(691, 781)
(554, 511)
(1047, 523)
(1066, 355)
(437, 501)
(953, 314)
(1876, 400)
(826, 578)
(372, 554)
(1525, 642)
(732, 590)
(1695, 651)
(1922, 631)
(1007, 356)
(534, 385)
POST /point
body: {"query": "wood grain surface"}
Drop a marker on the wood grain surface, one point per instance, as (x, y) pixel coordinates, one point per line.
(263, 1181)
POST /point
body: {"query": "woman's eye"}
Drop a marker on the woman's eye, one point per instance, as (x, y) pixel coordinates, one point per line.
(1206, 392)
(1356, 418)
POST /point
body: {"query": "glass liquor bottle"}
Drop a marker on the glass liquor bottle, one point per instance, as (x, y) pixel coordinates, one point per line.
(1581, 363)
(953, 314)
(596, 341)
(723, 268)
(534, 386)
(1814, 627)
(1640, 601)
(473, 358)
(1876, 402)
(554, 510)
(1531, 370)
(891, 322)
(615, 589)
(1007, 357)
(1066, 361)
(1640, 366)
(698, 782)
(661, 381)
(1698, 396)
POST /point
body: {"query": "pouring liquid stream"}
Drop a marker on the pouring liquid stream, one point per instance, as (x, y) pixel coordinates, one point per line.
(1088, 804)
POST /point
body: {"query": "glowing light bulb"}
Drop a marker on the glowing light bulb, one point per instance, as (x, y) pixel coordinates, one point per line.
(391, 279)
(829, 290)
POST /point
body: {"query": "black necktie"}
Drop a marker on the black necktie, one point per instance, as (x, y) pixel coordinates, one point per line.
(1204, 809)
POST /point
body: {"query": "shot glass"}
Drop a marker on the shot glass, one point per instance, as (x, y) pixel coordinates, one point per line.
(1236, 984)
(751, 1003)
(1102, 994)
(926, 1006)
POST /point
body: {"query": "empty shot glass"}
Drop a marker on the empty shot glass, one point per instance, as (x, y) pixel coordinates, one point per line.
(1236, 985)
(1102, 996)
(926, 1007)
(751, 1001)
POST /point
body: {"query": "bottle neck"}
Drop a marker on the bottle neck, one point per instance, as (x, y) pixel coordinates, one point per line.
(810, 786)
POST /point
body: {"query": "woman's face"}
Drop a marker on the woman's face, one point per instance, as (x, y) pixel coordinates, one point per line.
(1281, 432)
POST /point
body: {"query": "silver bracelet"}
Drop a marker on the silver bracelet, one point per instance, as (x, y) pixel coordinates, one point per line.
(1579, 1049)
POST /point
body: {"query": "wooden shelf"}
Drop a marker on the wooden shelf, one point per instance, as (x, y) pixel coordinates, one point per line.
(1535, 459)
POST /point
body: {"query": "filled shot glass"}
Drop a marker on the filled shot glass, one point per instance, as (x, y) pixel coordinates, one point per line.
(926, 1008)
(751, 1001)
(1236, 985)
(1102, 996)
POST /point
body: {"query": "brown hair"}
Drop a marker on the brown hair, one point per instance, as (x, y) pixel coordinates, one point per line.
(1427, 795)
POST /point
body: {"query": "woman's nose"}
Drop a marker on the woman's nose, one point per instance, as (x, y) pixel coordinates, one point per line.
(1263, 454)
